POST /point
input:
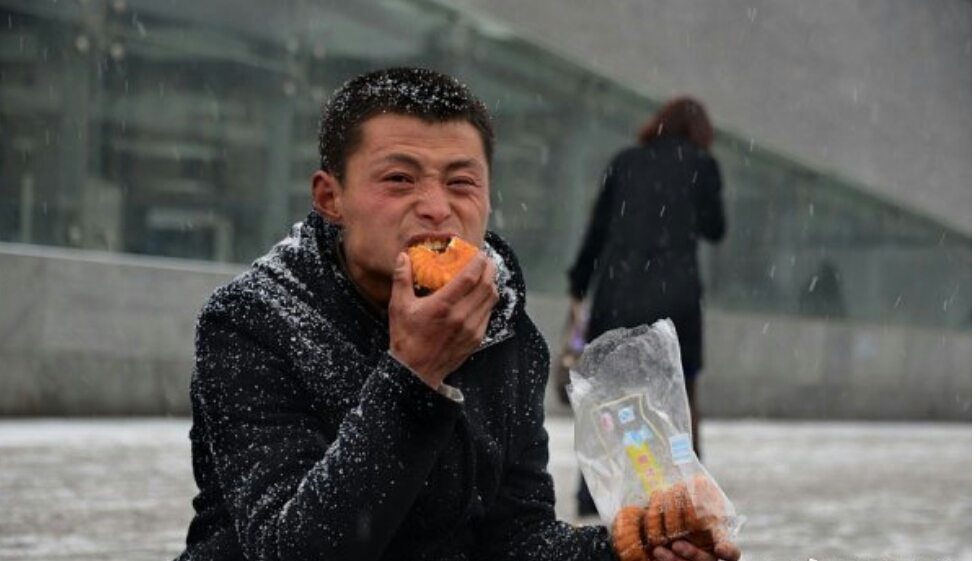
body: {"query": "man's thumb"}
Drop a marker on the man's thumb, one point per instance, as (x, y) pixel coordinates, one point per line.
(402, 273)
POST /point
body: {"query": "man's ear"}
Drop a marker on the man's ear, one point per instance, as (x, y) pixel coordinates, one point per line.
(327, 196)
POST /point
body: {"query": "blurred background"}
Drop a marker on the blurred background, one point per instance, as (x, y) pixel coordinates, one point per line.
(150, 150)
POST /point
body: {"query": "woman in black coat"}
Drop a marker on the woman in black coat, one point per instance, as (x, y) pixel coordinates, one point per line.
(641, 248)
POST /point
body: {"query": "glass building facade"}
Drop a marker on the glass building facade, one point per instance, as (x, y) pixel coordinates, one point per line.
(188, 129)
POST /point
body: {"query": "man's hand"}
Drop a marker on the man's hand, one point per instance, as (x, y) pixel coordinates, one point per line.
(434, 334)
(685, 551)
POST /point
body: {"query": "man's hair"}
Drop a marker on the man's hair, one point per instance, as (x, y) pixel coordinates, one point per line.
(683, 116)
(418, 92)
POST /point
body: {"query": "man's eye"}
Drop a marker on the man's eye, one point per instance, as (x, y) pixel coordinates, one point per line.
(397, 178)
(462, 182)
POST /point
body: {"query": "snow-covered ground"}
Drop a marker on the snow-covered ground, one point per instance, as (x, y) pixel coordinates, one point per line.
(120, 489)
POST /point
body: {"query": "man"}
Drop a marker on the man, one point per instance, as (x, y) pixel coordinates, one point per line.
(337, 415)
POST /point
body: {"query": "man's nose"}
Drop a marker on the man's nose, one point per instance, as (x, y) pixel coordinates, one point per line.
(433, 203)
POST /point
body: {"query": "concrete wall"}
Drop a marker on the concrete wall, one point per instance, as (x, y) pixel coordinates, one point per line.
(84, 333)
(880, 92)
(791, 367)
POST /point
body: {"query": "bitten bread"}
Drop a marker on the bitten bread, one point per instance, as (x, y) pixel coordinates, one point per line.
(435, 263)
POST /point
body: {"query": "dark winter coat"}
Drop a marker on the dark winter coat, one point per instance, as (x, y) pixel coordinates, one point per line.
(311, 442)
(641, 246)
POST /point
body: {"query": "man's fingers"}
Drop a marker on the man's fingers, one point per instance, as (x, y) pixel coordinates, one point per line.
(466, 280)
(685, 551)
(491, 295)
(481, 295)
(727, 551)
(681, 551)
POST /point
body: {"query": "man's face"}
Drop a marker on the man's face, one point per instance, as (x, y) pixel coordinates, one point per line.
(407, 181)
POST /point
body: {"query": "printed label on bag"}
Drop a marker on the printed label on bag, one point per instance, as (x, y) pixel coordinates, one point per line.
(681, 449)
(645, 464)
(626, 415)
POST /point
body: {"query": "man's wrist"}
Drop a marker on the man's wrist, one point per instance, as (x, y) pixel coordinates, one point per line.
(446, 390)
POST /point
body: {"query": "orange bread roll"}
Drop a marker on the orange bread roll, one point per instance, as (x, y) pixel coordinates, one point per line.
(693, 511)
(654, 519)
(708, 524)
(627, 529)
(435, 263)
(676, 512)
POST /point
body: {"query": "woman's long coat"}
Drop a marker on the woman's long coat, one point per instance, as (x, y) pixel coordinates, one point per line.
(641, 246)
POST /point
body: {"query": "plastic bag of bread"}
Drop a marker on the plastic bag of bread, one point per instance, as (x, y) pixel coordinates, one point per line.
(634, 446)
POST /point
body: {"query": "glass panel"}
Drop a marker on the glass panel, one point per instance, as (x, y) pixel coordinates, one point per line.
(131, 126)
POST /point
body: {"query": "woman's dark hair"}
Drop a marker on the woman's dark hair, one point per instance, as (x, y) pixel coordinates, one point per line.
(418, 92)
(682, 116)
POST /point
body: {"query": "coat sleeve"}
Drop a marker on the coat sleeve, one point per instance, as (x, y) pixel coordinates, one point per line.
(522, 522)
(290, 493)
(582, 270)
(708, 191)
